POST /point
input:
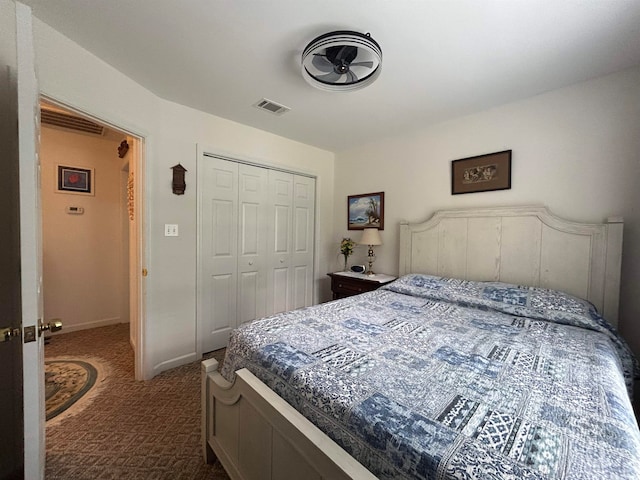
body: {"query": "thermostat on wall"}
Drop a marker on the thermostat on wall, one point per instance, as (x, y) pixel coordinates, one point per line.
(75, 210)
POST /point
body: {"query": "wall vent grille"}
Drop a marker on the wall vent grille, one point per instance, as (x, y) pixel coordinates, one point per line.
(70, 122)
(271, 107)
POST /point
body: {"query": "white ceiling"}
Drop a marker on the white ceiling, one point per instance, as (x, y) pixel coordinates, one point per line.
(441, 59)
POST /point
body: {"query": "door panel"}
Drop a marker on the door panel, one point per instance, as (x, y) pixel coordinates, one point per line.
(292, 241)
(280, 290)
(249, 233)
(280, 240)
(223, 305)
(301, 234)
(303, 238)
(222, 217)
(282, 227)
(219, 252)
(301, 286)
(11, 406)
(248, 299)
(252, 295)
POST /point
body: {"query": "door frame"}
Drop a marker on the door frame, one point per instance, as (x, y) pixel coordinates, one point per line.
(137, 283)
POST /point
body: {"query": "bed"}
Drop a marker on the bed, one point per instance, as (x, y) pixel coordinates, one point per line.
(481, 361)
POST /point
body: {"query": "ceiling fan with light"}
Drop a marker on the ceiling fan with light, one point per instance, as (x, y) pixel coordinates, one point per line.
(342, 61)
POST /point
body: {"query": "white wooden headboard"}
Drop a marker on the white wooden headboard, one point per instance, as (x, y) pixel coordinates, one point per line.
(521, 245)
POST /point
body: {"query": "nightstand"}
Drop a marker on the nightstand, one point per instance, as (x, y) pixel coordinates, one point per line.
(346, 284)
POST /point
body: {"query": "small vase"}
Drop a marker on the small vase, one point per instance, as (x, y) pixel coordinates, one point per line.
(346, 269)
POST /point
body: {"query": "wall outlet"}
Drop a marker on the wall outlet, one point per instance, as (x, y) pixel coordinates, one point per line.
(170, 230)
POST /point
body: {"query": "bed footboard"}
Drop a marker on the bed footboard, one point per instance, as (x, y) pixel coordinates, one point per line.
(257, 435)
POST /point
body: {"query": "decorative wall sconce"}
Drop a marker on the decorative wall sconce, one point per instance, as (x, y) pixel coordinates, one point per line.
(178, 183)
(123, 148)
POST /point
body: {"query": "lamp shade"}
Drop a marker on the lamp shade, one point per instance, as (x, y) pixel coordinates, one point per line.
(370, 236)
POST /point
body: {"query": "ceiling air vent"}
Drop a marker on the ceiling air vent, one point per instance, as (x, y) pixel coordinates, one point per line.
(271, 107)
(70, 122)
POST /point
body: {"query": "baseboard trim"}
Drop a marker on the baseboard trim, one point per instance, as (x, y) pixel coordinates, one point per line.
(174, 362)
(87, 325)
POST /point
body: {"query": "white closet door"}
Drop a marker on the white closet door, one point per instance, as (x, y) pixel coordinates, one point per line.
(256, 245)
(252, 243)
(219, 252)
(303, 239)
(279, 244)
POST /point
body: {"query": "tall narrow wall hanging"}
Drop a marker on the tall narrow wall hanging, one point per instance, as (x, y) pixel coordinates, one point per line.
(130, 195)
(178, 183)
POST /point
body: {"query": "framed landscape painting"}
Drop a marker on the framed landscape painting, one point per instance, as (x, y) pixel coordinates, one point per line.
(365, 211)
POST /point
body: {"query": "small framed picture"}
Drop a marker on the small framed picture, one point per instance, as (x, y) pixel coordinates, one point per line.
(365, 211)
(482, 173)
(75, 180)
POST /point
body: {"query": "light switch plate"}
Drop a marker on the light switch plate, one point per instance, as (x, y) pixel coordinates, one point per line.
(170, 230)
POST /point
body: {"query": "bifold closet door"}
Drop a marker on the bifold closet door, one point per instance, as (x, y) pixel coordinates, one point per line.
(279, 241)
(234, 247)
(304, 194)
(252, 242)
(256, 245)
(218, 252)
(290, 243)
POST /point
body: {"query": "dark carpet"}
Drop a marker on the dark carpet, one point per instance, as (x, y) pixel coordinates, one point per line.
(129, 429)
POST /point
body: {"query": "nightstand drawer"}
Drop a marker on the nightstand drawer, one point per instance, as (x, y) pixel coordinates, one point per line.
(352, 288)
(345, 286)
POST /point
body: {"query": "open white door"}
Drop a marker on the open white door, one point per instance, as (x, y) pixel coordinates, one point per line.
(31, 249)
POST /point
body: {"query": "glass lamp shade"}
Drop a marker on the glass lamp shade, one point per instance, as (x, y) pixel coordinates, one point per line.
(370, 236)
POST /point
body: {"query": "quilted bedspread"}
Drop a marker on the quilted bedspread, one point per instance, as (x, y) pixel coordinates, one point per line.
(435, 378)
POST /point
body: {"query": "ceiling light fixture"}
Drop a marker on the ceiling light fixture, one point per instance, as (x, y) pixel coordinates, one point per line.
(341, 61)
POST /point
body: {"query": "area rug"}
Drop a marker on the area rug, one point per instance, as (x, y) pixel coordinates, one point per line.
(69, 383)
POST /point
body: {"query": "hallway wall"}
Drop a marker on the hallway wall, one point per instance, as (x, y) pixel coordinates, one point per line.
(83, 255)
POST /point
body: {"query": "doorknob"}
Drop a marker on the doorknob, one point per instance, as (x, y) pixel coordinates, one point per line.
(53, 326)
(8, 333)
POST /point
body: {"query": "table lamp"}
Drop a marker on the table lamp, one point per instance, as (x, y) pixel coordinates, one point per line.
(371, 237)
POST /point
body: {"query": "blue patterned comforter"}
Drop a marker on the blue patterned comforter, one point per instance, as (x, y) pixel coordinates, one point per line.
(435, 378)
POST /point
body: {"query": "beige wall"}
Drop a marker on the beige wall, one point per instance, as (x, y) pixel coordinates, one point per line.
(576, 150)
(172, 134)
(83, 255)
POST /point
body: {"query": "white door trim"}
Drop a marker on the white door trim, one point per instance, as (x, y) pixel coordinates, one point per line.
(143, 367)
(244, 161)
